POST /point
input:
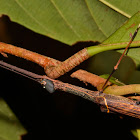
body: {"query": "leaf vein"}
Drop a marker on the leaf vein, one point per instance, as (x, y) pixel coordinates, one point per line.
(28, 13)
(99, 28)
(115, 8)
(68, 24)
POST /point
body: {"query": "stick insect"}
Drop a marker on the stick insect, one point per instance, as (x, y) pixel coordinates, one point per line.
(109, 103)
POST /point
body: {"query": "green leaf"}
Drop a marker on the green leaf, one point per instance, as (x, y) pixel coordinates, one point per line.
(10, 127)
(120, 39)
(112, 80)
(68, 21)
(136, 133)
(124, 7)
(123, 35)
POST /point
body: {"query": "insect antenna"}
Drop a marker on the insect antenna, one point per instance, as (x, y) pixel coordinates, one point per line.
(20, 71)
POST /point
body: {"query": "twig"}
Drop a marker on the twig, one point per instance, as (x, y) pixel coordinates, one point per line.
(41, 60)
(88, 77)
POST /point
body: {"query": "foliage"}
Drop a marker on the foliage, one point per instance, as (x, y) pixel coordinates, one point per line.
(10, 127)
(67, 21)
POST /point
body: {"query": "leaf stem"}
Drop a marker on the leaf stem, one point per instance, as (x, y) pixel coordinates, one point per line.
(123, 90)
(106, 47)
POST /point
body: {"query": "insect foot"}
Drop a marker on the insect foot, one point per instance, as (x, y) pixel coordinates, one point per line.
(102, 101)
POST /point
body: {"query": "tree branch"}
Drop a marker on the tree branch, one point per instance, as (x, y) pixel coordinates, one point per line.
(88, 77)
(41, 60)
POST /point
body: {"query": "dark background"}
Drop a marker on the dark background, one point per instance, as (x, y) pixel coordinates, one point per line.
(58, 115)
